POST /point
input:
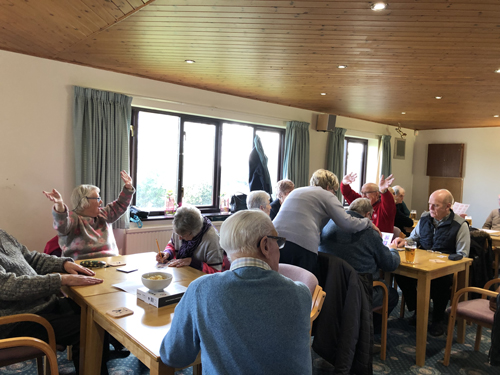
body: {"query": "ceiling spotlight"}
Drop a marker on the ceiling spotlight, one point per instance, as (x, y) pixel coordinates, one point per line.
(189, 61)
(379, 6)
(438, 97)
(323, 93)
(496, 116)
(403, 113)
(342, 66)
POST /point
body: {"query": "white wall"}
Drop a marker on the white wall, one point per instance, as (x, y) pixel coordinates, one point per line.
(36, 99)
(481, 169)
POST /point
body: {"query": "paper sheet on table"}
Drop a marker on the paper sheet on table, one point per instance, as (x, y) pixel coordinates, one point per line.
(494, 232)
(460, 208)
(130, 286)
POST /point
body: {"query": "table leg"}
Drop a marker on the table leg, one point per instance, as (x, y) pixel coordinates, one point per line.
(462, 282)
(93, 345)
(159, 368)
(423, 295)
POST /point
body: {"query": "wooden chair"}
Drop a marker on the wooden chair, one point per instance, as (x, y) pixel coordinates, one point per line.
(20, 349)
(300, 274)
(384, 310)
(476, 311)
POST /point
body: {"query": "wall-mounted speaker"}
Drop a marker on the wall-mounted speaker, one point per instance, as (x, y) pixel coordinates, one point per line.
(326, 123)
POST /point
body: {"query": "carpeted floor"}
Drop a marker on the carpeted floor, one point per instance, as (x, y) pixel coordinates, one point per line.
(400, 356)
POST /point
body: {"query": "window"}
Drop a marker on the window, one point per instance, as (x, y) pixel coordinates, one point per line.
(195, 159)
(355, 155)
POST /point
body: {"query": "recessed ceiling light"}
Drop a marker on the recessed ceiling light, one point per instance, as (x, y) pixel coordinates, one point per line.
(497, 71)
(189, 61)
(323, 93)
(496, 116)
(439, 97)
(403, 113)
(342, 66)
(379, 6)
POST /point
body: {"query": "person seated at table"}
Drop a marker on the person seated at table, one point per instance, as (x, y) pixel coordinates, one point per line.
(441, 230)
(86, 231)
(30, 282)
(261, 322)
(384, 208)
(399, 196)
(194, 242)
(493, 220)
(364, 251)
(304, 214)
(401, 220)
(259, 200)
(283, 188)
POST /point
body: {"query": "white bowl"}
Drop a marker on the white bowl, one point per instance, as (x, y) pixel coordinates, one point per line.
(156, 285)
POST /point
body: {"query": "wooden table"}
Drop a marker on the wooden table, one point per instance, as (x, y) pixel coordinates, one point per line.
(141, 332)
(424, 270)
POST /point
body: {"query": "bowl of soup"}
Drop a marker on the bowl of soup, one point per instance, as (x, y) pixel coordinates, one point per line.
(156, 281)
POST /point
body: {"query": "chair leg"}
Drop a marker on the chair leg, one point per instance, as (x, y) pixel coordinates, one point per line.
(478, 338)
(197, 369)
(40, 365)
(402, 309)
(383, 337)
(69, 352)
(449, 339)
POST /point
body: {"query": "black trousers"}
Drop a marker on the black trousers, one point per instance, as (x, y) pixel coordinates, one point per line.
(440, 294)
(64, 317)
(294, 254)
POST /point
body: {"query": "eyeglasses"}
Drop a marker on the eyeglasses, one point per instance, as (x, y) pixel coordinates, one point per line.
(280, 240)
(99, 200)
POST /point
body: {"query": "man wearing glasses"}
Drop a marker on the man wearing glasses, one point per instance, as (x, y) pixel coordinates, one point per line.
(381, 199)
(248, 320)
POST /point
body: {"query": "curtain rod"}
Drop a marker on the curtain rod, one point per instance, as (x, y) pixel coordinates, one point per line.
(206, 107)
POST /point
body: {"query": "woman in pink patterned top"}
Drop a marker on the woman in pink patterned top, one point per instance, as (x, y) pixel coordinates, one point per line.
(86, 231)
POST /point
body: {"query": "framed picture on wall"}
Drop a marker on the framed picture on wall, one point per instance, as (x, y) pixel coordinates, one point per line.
(399, 148)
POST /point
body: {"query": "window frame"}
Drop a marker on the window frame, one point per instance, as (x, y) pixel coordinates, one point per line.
(218, 123)
(364, 159)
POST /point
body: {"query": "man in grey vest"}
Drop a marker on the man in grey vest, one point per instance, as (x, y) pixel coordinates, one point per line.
(441, 230)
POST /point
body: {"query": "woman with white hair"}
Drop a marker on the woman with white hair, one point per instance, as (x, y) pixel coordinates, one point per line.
(194, 242)
(259, 200)
(304, 214)
(86, 232)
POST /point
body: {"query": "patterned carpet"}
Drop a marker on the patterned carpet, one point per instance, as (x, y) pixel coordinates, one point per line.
(400, 356)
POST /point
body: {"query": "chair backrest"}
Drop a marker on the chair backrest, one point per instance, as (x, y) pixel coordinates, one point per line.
(52, 247)
(396, 232)
(299, 274)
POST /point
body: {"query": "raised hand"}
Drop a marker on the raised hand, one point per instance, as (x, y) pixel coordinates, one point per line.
(349, 178)
(385, 183)
(127, 180)
(55, 197)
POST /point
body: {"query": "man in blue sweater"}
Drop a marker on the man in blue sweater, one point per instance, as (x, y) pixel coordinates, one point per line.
(248, 320)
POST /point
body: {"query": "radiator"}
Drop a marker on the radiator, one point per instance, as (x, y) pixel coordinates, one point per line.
(144, 240)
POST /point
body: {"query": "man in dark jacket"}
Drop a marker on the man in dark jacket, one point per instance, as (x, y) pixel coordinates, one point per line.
(439, 230)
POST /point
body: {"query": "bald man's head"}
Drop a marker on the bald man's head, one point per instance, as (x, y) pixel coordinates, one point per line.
(440, 203)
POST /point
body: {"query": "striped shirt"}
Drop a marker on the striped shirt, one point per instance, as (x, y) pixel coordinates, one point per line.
(249, 262)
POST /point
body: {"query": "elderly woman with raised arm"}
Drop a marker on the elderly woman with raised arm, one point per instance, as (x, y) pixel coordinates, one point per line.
(86, 232)
(194, 242)
(304, 214)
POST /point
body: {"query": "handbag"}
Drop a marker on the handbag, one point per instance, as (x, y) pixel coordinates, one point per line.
(238, 202)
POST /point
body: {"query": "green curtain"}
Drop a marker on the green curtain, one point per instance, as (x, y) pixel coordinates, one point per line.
(296, 160)
(385, 153)
(101, 126)
(335, 154)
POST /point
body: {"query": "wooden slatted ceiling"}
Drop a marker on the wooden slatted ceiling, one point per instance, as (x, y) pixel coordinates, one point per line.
(287, 52)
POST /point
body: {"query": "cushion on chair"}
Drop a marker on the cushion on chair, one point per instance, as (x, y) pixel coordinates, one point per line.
(477, 309)
(299, 274)
(19, 354)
